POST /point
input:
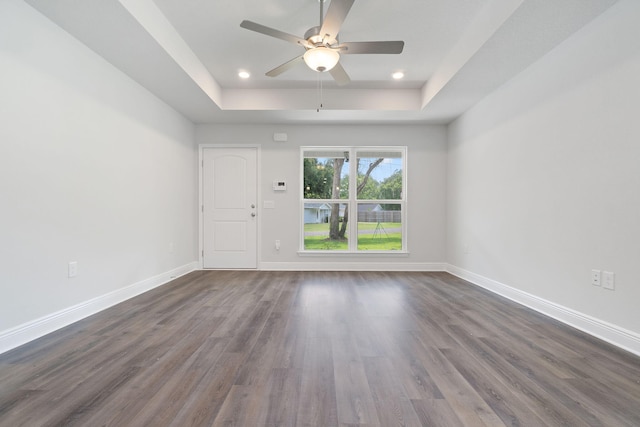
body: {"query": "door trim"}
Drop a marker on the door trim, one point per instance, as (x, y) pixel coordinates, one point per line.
(201, 148)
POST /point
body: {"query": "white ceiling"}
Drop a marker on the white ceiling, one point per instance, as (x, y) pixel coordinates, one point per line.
(189, 53)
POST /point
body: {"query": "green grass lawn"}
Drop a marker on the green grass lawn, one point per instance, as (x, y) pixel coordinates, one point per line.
(323, 243)
(324, 227)
(390, 242)
(382, 240)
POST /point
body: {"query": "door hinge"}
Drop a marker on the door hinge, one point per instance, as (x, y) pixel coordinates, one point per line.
(203, 253)
(202, 208)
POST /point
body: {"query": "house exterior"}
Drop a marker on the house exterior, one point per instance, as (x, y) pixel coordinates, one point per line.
(316, 213)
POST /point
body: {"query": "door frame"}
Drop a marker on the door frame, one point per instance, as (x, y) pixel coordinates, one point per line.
(201, 148)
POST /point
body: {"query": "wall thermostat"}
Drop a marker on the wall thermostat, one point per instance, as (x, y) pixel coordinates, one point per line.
(279, 185)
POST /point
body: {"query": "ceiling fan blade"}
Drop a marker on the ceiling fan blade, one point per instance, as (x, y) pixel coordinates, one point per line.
(338, 10)
(284, 67)
(389, 47)
(339, 75)
(250, 25)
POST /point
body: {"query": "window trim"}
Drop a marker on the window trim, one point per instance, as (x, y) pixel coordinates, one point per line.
(353, 201)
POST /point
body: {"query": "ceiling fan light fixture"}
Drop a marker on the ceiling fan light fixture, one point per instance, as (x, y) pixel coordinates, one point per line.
(321, 58)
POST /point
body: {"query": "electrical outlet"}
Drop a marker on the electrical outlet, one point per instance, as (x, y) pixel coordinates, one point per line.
(608, 280)
(277, 245)
(596, 277)
(73, 269)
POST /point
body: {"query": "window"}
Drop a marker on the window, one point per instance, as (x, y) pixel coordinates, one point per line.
(353, 199)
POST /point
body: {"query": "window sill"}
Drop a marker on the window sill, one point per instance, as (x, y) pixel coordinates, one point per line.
(353, 253)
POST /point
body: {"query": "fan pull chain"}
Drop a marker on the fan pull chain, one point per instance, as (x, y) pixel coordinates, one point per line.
(319, 85)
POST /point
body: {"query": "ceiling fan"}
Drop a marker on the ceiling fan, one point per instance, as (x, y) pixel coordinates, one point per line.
(322, 48)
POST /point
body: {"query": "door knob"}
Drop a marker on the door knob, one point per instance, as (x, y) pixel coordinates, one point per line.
(253, 206)
(253, 214)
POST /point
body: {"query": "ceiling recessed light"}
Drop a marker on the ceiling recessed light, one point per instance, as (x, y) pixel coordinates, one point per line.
(244, 75)
(398, 75)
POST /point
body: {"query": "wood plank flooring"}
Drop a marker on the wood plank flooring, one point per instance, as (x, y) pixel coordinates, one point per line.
(248, 348)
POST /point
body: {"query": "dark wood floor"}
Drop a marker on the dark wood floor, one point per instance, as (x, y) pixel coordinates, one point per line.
(247, 348)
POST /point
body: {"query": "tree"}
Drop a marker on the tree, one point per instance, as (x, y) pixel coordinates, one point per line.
(370, 190)
(325, 181)
(334, 221)
(365, 178)
(317, 179)
(336, 230)
(391, 188)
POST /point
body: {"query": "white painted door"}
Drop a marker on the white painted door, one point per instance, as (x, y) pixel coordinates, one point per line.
(230, 198)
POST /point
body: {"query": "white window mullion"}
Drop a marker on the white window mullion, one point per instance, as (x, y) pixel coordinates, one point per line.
(353, 202)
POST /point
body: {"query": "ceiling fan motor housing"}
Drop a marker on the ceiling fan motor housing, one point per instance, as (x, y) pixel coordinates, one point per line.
(313, 36)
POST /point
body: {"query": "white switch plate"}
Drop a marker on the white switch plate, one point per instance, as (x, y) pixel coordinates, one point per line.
(608, 280)
(73, 269)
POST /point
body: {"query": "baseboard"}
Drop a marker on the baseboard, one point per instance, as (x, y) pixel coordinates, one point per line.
(620, 337)
(29, 331)
(351, 266)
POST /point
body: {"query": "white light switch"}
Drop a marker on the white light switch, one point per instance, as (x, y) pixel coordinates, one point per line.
(73, 269)
(608, 280)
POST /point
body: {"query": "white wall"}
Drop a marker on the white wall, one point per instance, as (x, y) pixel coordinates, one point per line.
(93, 169)
(544, 180)
(281, 160)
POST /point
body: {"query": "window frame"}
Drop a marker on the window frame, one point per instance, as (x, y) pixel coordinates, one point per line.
(352, 201)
